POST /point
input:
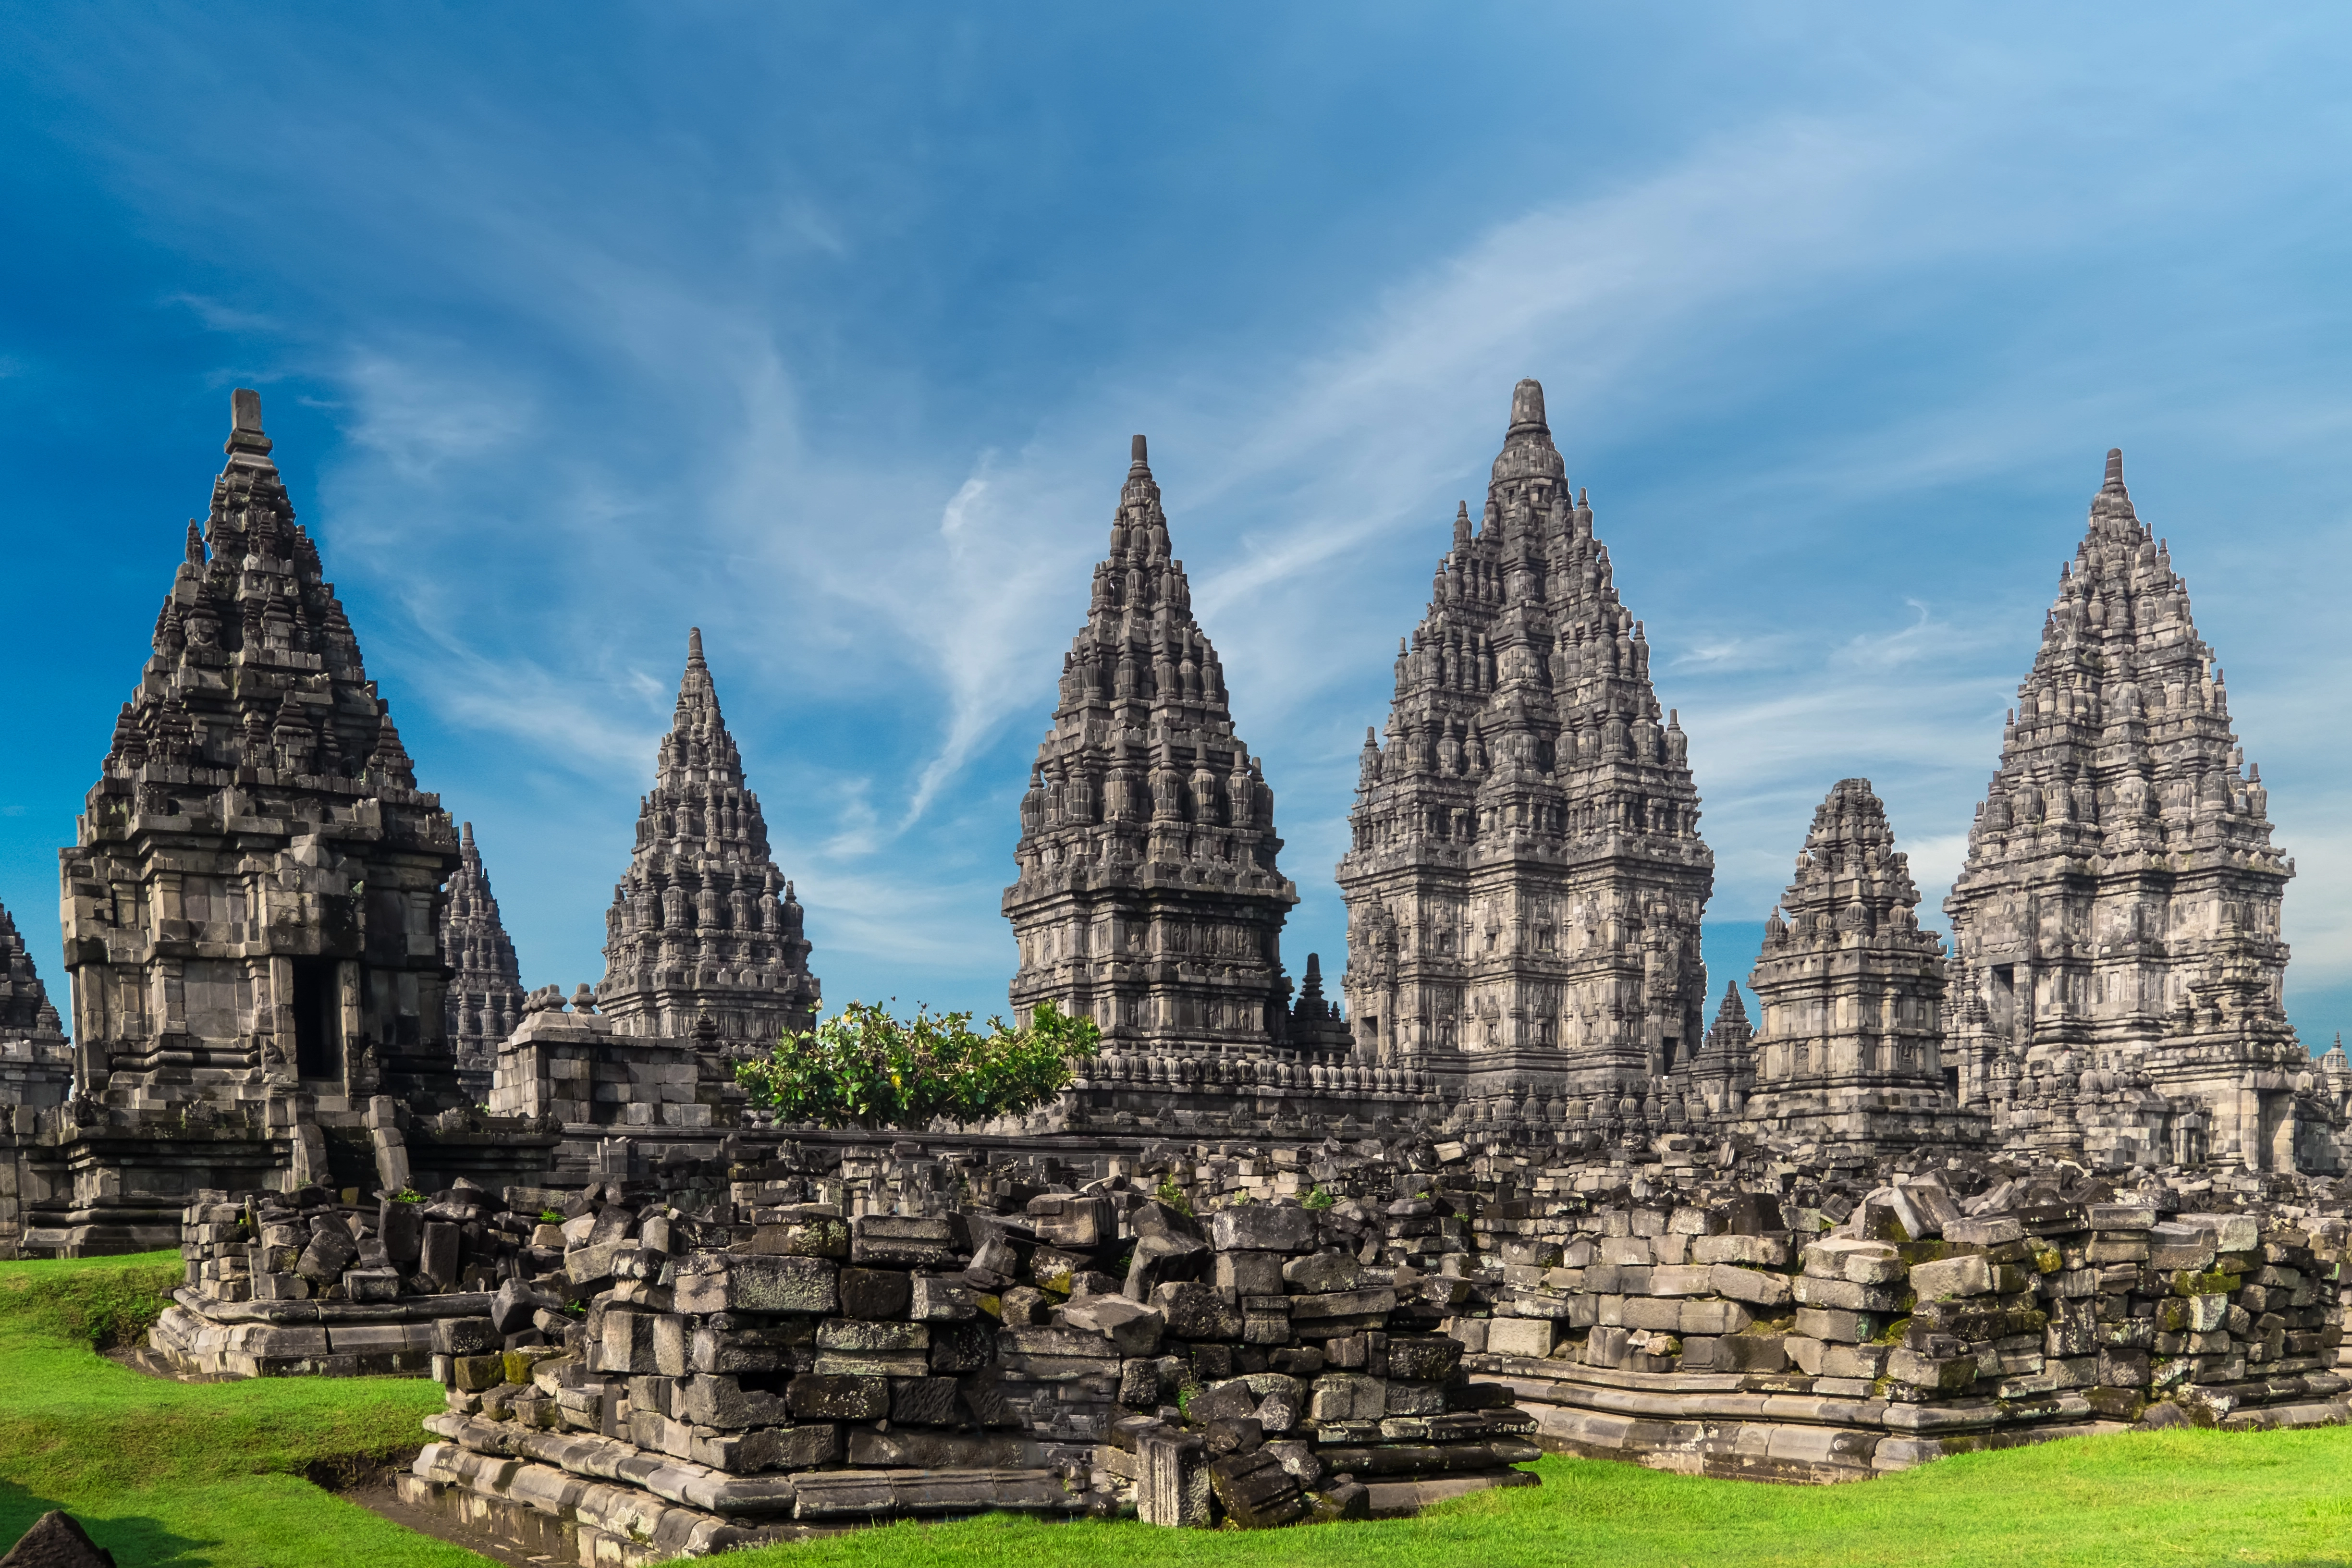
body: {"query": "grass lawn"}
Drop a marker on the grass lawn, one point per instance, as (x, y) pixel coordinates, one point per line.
(212, 1473)
(2143, 1500)
(185, 1473)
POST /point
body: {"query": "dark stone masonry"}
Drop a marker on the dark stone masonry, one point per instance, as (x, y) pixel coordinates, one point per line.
(1274, 1256)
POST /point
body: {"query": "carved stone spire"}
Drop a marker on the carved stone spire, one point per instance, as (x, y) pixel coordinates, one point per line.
(486, 995)
(703, 922)
(1525, 856)
(1851, 990)
(36, 1068)
(255, 731)
(251, 909)
(2118, 909)
(1147, 896)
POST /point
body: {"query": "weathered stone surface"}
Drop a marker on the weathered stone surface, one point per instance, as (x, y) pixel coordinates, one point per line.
(1193, 841)
(1132, 1328)
(1525, 694)
(815, 1397)
(702, 898)
(876, 1292)
(1194, 1311)
(1262, 1227)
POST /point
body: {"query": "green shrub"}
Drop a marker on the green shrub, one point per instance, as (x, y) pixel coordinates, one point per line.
(865, 1069)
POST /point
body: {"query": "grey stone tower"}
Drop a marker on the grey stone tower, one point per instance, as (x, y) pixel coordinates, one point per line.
(1148, 897)
(2115, 928)
(704, 939)
(252, 909)
(486, 995)
(1527, 878)
(1851, 989)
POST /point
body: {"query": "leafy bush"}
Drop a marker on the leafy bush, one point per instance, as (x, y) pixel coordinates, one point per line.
(865, 1069)
(1319, 1197)
(551, 1217)
(1173, 1196)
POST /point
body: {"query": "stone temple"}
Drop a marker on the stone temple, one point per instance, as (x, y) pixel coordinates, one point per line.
(1525, 880)
(288, 970)
(252, 910)
(2117, 967)
(486, 995)
(704, 938)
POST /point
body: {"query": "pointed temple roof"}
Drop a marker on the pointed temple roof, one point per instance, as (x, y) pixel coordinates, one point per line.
(486, 995)
(703, 922)
(258, 792)
(1525, 742)
(1143, 795)
(2121, 891)
(24, 1001)
(1851, 886)
(2121, 733)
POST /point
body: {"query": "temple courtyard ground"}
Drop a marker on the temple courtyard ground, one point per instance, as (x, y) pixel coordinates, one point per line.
(259, 1475)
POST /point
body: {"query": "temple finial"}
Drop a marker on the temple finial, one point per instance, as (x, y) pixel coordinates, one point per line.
(1528, 404)
(2115, 469)
(693, 646)
(245, 423)
(1142, 456)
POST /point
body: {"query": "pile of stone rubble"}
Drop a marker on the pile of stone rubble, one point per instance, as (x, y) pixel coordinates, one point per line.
(299, 1283)
(718, 1382)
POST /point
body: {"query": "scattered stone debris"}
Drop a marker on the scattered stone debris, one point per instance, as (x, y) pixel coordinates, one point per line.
(56, 1540)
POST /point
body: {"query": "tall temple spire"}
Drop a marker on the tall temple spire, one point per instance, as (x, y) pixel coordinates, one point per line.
(1526, 879)
(251, 907)
(2118, 909)
(486, 995)
(1147, 896)
(703, 923)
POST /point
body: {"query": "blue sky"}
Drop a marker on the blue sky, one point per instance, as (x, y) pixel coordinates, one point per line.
(825, 329)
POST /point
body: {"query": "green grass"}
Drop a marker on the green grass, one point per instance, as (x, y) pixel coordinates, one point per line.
(2138, 1501)
(163, 1472)
(212, 1473)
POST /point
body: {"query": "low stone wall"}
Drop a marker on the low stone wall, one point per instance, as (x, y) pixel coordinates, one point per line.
(301, 1284)
(1097, 1352)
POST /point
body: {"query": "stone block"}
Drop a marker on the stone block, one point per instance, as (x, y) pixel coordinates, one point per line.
(924, 1402)
(1968, 1275)
(1248, 1273)
(627, 1345)
(465, 1336)
(1606, 1347)
(1194, 1311)
(1321, 1273)
(1757, 1251)
(904, 1241)
(815, 1397)
(1132, 1328)
(1520, 1336)
(719, 1399)
(1263, 1227)
(1991, 1230)
(1657, 1314)
(1835, 1325)
(1713, 1318)
(437, 1257)
(1681, 1279)
(1346, 1396)
(876, 1293)
(1752, 1286)
(1423, 1358)
(737, 1282)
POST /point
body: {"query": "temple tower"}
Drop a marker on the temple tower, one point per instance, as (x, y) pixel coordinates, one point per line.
(2117, 923)
(35, 1064)
(704, 939)
(252, 910)
(485, 998)
(1527, 878)
(1148, 897)
(1851, 990)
